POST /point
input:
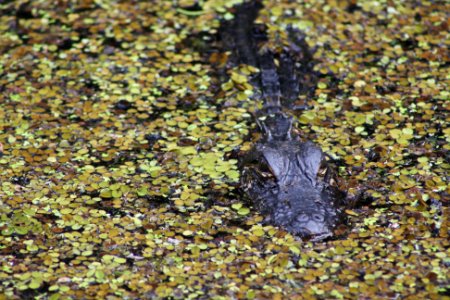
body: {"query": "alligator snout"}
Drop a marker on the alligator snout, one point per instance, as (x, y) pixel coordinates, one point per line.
(312, 225)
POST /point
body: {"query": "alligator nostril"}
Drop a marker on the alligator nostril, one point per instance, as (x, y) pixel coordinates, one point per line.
(318, 218)
(303, 218)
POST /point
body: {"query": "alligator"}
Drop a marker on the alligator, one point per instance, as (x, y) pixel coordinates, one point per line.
(281, 174)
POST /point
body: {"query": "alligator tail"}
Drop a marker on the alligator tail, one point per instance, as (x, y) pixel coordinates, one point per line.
(245, 39)
(270, 81)
(280, 86)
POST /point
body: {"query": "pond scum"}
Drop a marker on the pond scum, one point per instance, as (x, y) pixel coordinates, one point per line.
(118, 142)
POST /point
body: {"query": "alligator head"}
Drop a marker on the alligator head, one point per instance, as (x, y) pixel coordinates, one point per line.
(281, 177)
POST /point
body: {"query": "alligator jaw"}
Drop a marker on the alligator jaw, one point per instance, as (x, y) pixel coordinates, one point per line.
(320, 237)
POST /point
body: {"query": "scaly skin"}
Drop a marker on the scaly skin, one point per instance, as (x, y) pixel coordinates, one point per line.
(280, 173)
